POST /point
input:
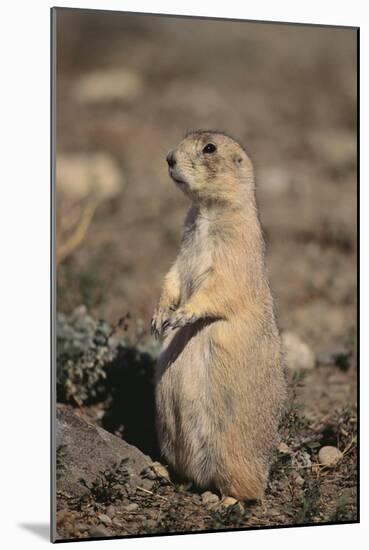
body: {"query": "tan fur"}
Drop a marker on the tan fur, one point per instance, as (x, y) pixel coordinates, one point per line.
(220, 384)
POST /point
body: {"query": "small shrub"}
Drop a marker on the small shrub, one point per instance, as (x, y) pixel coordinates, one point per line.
(105, 489)
(82, 353)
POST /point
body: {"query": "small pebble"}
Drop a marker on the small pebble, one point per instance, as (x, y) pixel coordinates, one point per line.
(209, 499)
(329, 456)
(81, 527)
(299, 356)
(117, 523)
(148, 473)
(131, 507)
(62, 515)
(104, 519)
(160, 470)
(110, 511)
(150, 523)
(333, 356)
(96, 531)
(228, 501)
(152, 514)
(283, 448)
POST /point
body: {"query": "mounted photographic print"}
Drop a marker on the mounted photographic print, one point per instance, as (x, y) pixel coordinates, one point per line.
(204, 223)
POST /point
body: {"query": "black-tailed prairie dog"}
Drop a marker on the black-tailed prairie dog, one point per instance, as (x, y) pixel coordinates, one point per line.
(220, 382)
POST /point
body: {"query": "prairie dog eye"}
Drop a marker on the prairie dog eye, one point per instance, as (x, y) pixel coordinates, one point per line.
(209, 148)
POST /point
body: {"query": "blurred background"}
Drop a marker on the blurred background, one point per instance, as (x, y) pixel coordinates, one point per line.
(128, 88)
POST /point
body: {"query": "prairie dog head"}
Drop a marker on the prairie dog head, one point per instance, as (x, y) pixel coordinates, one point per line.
(210, 167)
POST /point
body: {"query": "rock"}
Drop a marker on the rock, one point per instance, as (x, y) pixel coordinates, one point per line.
(152, 514)
(81, 527)
(97, 532)
(301, 459)
(150, 523)
(329, 456)
(298, 355)
(144, 483)
(274, 181)
(209, 499)
(338, 356)
(117, 523)
(82, 175)
(338, 148)
(227, 501)
(283, 448)
(104, 519)
(148, 473)
(108, 85)
(64, 517)
(89, 450)
(110, 511)
(132, 507)
(160, 470)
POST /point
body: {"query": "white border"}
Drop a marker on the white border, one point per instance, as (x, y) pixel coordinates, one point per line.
(24, 219)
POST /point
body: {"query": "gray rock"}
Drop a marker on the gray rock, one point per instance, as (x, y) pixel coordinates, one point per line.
(89, 449)
(98, 531)
(117, 523)
(209, 499)
(301, 460)
(131, 507)
(82, 175)
(274, 181)
(160, 471)
(140, 517)
(104, 86)
(298, 355)
(150, 523)
(110, 511)
(337, 356)
(104, 519)
(148, 473)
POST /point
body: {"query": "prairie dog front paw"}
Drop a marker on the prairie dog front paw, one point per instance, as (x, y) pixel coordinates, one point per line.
(180, 318)
(159, 321)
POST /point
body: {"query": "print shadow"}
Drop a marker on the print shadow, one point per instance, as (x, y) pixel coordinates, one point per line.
(130, 407)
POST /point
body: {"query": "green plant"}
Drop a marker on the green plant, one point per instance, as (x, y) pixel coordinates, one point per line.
(343, 510)
(82, 354)
(105, 489)
(232, 516)
(308, 504)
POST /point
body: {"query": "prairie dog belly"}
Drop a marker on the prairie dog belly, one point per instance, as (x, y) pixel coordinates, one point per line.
(195, 259)
(187, 415)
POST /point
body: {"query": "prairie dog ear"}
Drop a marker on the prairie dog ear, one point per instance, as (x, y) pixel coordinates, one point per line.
(238, 160)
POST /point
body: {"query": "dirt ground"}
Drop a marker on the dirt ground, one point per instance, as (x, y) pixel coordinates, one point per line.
(288, 94)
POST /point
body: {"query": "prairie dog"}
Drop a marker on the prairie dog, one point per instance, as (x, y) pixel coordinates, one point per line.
(220, 383)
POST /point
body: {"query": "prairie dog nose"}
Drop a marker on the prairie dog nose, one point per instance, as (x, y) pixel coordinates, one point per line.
(171, 160)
